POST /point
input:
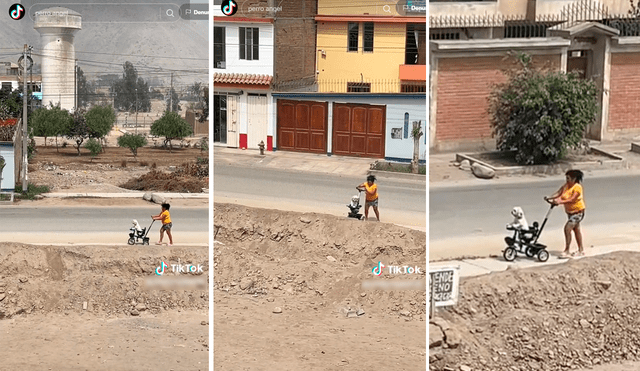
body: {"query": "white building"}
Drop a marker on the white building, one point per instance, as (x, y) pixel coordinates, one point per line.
(243, 73)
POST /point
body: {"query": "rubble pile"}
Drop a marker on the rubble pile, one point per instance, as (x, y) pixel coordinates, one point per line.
(573, 316)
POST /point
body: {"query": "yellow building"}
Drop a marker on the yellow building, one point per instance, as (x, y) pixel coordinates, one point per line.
(371, 46)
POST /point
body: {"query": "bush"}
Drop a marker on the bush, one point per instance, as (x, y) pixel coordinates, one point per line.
(204, 144)
(32, 191)
(94, 147)
(133, 142)
(541, 114)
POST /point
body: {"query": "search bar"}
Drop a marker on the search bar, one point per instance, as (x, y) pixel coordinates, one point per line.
(117, 12)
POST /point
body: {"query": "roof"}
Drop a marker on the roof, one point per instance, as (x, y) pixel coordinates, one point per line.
(7, 129)
(241, 78)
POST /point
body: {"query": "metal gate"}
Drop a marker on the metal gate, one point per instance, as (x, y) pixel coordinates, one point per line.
(257, 121)
(359, 129)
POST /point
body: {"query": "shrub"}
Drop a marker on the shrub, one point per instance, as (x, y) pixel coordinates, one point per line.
(94, 147)
(133, 142)
(541, 114)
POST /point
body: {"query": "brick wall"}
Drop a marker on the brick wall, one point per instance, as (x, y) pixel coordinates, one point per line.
(295, 35)
(624, 98)
(463, 88)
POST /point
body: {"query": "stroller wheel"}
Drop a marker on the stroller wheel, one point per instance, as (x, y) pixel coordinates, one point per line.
(131, 241)
(530, 252)
(145, 241)
(543, 255)
(509, 254)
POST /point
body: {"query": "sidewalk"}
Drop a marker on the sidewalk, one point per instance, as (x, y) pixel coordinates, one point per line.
(481, 266)
(305, 162)
(127, 195)
(443, 174)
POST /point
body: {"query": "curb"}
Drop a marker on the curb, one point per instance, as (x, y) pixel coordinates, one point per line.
(396, 175)
(126, 195)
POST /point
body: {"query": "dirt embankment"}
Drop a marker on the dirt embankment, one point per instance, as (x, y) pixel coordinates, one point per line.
(322, 256)
(103, 281)
(573, 316)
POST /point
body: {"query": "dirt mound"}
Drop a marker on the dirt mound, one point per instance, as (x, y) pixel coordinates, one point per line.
(321, 259)
(180, 181)
(573, 316)
(44, 279)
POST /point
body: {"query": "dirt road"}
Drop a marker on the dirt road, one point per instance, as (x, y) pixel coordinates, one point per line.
(288, 293)
(93, 307)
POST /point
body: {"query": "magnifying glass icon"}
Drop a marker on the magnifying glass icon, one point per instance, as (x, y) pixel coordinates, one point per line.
(169, 12)
(387, 8)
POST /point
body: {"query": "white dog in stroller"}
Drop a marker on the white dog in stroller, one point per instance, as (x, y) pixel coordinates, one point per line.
(519, 221)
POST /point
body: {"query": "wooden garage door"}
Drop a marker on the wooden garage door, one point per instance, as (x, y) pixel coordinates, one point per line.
(302, 126)
(359, 129)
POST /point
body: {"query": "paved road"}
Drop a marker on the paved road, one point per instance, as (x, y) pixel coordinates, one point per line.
(401, 202)
(476, 215)
(96, 225)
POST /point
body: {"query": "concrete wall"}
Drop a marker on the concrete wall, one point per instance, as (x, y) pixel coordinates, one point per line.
(340, 65)
(262, 66)
(396, 108)
(8, 179)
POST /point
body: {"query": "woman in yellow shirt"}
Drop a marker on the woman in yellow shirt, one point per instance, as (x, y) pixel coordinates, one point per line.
(371, 190)
(572, 197)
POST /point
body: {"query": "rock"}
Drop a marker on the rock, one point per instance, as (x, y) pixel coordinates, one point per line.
(134, 313)
(352, 314)
(331, 258)
(405, 313)
(360, 312)
(305, 219)
(452, 337)
(158, 199)
(465, 165)
(246, 283)
(605, 284)
(465, 368)
(24, 280)
(584, 323)
(363, 294)
(482, 171)
(436, 336)
(147, 196)
(141, 307)
(277, 310)
(2, 296)
(204, 323)
(84, 306)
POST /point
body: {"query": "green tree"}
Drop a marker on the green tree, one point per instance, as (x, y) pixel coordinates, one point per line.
(205, 105)
(131, 91)
(50, 122)
(11, 102)
(133, 142)
(100, 120)
(171, 126)
(79, 130)
(173, 101)
(94, 147)
(541, 114)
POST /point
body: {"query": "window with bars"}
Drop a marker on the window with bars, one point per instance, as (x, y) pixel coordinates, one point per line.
(219, 57)
(353, 37)
(413, 87)
(358, 87)
(249, 43)
(367, 43)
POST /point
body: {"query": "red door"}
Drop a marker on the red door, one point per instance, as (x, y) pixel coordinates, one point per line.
(302, 126)
(359, 129)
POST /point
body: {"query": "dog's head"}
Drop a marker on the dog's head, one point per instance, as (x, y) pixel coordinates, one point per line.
(355, 199)
(517, 212)
(134, 222)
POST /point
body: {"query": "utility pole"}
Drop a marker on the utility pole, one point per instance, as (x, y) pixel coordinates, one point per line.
(136, 111)
(25, 137)
(75, 87)
(171, 95)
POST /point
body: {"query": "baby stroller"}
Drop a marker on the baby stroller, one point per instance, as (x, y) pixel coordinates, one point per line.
(138, 233)
(526, 241)
(354, 207)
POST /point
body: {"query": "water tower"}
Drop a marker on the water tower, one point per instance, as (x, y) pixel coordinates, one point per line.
(56, 27)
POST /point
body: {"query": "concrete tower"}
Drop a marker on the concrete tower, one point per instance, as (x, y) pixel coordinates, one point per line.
(57, 27)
